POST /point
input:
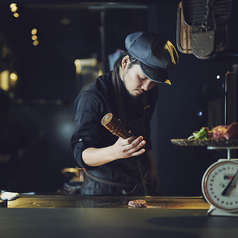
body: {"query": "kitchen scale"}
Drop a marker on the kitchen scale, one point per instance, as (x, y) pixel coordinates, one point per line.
(220, 180)
(220, 185)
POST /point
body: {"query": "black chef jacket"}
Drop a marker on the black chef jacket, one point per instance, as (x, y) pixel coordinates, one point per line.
(93, 102)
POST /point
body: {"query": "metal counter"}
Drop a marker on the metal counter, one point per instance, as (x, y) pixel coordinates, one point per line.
(64, 201)
(86, 217)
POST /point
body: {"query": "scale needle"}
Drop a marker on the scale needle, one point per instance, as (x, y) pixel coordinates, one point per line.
(224, 192)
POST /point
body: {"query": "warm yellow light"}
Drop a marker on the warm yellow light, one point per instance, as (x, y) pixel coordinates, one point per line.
(35, 42)
(78, 66)
(99, 72)
(16, 15)
(79, 63)
(4, 80)
(13, 76)
(14, 8)
(34, 37)
(33, 31)
(13, 80)
(87, 62)
(12, 5)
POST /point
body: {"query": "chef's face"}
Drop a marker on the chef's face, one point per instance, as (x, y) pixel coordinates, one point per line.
(134, 79)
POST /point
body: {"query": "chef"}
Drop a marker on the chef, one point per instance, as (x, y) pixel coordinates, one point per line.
(116, 166)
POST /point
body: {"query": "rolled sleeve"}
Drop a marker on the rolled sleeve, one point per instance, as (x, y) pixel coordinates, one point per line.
(87, 131)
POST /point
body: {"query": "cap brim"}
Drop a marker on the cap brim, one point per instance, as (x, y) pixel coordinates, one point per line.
(156, 75)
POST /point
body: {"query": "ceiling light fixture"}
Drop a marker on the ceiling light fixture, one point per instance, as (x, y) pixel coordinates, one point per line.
(34, 31)
(14, 8)
(34, 37)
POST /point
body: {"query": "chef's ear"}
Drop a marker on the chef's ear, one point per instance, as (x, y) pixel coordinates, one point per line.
(125, 61)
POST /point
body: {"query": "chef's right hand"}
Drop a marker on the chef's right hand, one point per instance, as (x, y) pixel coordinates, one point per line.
(130, 147)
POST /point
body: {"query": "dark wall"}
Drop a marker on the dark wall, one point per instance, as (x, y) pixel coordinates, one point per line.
(47, 72)
(43, 99)
(194, 83)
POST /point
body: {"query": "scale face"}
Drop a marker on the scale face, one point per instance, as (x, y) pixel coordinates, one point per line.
(220, 185)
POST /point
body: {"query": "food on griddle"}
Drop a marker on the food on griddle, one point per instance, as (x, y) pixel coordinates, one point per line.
(220, 132)
(137, 203)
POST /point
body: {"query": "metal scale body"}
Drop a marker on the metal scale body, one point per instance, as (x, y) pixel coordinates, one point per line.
(220, 185)
(224, 171)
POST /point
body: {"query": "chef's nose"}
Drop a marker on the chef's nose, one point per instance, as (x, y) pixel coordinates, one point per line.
(147, 84)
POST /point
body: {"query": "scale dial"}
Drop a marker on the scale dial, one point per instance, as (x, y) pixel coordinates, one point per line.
(220, 185)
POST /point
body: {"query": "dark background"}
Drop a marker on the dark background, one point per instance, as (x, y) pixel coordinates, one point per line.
(42, 103)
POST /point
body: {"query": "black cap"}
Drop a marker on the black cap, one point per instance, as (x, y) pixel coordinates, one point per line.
(155, 54)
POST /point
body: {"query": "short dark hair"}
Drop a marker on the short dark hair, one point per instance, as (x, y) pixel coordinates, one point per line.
(117, 63)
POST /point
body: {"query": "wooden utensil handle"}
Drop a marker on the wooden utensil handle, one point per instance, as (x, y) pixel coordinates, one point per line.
(114, 126)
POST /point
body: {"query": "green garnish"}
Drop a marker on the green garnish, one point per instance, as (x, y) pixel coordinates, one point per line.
(203, 134)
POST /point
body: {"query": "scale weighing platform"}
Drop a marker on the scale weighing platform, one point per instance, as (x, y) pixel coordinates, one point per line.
(220, 180)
